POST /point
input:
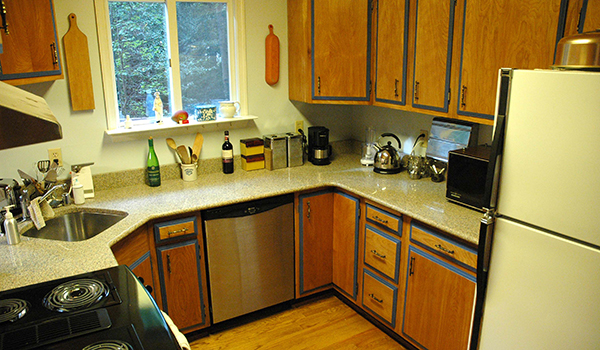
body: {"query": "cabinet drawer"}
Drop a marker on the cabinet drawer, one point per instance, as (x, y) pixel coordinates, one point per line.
(384, 218)
(176, 228)
(443, 246)
(382, 252)
(379, 297)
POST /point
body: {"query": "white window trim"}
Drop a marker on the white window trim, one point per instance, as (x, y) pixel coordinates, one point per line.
(237, 51)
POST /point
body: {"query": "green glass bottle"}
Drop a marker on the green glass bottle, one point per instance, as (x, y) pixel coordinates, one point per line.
(153, 167)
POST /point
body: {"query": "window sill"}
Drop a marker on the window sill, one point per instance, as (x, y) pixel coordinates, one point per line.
(169, 130)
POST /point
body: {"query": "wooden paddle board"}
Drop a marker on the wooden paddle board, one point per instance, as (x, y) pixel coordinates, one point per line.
(77, 57)
(271, 57)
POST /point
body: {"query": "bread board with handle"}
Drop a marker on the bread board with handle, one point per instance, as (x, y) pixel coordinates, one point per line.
(271, 57)
(77, 59)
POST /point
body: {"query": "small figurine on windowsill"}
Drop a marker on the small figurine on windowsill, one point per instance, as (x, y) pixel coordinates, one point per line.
(158, 107)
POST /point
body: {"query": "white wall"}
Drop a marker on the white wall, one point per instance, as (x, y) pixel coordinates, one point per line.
(84, 139)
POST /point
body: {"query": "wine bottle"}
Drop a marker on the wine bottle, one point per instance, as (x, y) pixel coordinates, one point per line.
(227, 155)
(153, 167)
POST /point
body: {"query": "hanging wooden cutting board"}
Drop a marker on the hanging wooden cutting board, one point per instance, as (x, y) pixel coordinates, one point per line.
(271, 57)
(77, 57)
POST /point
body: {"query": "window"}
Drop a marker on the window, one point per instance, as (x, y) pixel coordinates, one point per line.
(184, 52)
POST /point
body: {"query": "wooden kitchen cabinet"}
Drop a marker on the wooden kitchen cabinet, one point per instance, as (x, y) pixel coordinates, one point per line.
(314, 242)
(582, 16)
(182, 272)
(439, 294)
(433, 54)
(30, 46)
(391, 65)
(135, 252)
(329, 47)
(502, 33)
(346, 209)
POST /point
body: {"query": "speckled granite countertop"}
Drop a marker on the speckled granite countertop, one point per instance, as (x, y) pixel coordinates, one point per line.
(36, 260)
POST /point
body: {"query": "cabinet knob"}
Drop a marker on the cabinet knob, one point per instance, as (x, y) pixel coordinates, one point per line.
(463, 97)
(377, 254)
(375, 298)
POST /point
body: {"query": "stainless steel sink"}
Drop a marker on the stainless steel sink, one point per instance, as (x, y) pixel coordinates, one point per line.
(77, 225)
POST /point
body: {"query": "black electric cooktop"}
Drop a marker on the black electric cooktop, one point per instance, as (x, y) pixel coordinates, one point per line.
(104, 309)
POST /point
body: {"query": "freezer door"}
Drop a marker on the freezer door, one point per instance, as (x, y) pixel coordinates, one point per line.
(542, 292)
(551, 156)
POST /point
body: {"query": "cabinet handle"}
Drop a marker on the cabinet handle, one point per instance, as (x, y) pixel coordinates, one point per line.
(308, 210)
(377, 218)
(411, 269)
(396, 81)
(54, 54)
(3, 15)
(377, 254)
(375, 298)
(463, 97)
(318, 85)
(177, 231)
(444, 249)
(169, 263)
(416, 91)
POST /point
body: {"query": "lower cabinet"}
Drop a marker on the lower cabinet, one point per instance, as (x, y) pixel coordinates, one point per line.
(380, 297)
(179, 268)
(346, 211)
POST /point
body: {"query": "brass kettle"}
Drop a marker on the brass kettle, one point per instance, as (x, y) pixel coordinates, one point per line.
(387, 158)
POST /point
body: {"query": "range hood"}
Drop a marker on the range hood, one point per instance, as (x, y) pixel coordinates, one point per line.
(25, 118)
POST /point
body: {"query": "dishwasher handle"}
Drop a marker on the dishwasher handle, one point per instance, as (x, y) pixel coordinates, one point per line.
(247, 208)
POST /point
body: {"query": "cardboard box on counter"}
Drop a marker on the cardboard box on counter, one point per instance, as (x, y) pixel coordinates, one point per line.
(253, 162)
(253, 146)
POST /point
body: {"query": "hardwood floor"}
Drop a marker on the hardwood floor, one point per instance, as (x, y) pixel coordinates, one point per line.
(320, 324)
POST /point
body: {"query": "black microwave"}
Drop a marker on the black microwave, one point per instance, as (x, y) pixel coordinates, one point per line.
(467, 172)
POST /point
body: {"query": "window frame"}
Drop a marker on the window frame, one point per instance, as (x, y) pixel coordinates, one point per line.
(237, 56)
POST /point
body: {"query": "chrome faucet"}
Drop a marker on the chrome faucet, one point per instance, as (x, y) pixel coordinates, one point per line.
(54, 202)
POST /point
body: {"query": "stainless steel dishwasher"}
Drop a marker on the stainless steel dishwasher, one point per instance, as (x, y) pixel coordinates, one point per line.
(250, 250)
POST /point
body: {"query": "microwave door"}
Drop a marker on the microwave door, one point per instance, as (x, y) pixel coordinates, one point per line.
(486, 230)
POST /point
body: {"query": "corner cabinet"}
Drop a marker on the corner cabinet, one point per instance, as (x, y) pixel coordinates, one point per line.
(30, 46)
(346, 212)
(329, 51)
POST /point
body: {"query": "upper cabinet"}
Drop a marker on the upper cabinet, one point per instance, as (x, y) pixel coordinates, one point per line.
(329, 51)
(582, 16)
(391, 18)
(433, 54)
(30, 47)
(502, 33)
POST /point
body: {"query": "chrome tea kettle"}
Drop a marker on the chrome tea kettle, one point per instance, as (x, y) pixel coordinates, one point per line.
(387, 158)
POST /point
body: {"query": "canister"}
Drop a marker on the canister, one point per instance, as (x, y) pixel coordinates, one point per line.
(295, 151)
(275, 151)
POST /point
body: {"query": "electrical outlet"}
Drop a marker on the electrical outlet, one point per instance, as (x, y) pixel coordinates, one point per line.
(299, 125)
(55, 154)
(426, 137)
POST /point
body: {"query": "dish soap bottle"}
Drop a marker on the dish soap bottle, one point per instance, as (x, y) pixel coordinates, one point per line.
(153, 167)
(227, 155)
(10, 227)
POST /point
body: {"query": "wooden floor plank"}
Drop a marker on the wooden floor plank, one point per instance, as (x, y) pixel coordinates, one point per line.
(325, 324)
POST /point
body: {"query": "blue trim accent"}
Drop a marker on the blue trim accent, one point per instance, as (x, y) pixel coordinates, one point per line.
(141, 260)
(445, 239)
(395, 297)
(301, 199)
(356, 234)
(438, 261)
(399, 218)
(582, 17)
(41, 73)
(402, 101)
(367, 97)
(398, 250)
(175, 222)
(162, 277)
(448, 61)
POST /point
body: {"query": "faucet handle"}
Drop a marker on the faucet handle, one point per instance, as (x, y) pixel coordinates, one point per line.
(77, 167)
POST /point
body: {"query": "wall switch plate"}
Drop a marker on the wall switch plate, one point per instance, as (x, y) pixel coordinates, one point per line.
(299, 125)
(55, 154)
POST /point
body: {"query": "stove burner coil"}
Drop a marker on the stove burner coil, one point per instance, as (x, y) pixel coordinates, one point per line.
(12, 309)
(75, 295)
(109, 345)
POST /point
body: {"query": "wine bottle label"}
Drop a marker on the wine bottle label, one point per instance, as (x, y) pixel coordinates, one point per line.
(154, 176)
(227, 154)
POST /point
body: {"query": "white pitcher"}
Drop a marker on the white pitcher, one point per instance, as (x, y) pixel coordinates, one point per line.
(228, 109)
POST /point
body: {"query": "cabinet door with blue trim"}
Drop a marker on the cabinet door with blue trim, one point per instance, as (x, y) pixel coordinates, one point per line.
(345, 243)
(439, 303)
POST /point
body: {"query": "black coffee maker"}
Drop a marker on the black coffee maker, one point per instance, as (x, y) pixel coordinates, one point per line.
(319, 149)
